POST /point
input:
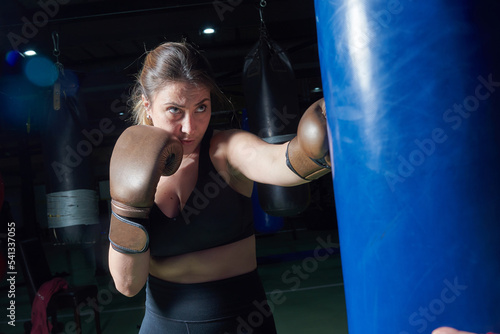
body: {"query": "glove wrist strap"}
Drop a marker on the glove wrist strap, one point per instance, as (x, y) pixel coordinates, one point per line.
(129, 235)
(303, 166)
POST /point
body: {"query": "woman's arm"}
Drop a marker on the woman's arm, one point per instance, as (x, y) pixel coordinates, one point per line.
(449, 330)
(142, 154)
(245, 153)
(129, 271)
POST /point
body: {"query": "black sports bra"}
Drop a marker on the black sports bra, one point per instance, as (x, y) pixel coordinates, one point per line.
(214, 215)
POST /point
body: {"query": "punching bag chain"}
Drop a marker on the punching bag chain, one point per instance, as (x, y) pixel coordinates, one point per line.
(263, 28)
(263, 4)
(56, 52)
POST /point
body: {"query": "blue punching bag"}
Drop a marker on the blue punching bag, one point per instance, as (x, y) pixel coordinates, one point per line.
(412, 90)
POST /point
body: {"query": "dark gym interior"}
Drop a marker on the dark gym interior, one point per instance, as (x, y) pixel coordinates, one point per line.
(100, 45)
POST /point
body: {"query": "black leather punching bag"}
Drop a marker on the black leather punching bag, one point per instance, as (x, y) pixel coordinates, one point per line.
(72, 202)
(273, 114)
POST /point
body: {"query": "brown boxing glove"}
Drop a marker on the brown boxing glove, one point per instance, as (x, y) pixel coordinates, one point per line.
(142, 154)
(307, 154)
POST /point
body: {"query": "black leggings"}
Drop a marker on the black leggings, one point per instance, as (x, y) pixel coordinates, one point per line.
(236, 305)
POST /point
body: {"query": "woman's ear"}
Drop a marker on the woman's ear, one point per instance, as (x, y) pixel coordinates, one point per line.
(145, 102)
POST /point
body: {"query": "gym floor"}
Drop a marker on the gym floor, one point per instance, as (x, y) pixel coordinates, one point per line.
(300, 269)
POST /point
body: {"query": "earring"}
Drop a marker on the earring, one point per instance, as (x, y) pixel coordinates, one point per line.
(148, 116)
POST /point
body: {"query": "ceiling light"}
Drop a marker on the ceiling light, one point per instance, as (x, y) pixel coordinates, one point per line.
(30, 53)
(208, 31)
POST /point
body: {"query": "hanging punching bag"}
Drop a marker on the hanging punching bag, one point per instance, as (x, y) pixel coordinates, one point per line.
(413, 99)
(263, 222)
(2, 191)
(273, 114)
(72, 206)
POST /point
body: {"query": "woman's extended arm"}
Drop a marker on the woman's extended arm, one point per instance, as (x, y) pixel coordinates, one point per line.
(303, 159)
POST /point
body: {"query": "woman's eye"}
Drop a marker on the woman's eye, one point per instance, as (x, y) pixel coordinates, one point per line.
(173, 110)
(201, 108)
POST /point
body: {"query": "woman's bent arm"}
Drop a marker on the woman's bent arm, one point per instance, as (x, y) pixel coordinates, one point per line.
(129, 271)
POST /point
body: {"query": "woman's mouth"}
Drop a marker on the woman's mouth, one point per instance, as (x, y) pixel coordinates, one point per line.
(186, 142)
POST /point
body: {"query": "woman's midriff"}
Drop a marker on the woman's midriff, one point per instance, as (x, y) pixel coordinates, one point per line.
(207, 265)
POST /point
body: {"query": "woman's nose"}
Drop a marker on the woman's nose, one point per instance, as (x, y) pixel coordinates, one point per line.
(188, 124)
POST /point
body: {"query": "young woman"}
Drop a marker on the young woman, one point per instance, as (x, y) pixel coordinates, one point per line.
(179, 194)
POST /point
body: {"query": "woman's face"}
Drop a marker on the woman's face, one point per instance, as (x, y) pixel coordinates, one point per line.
(183, 110)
